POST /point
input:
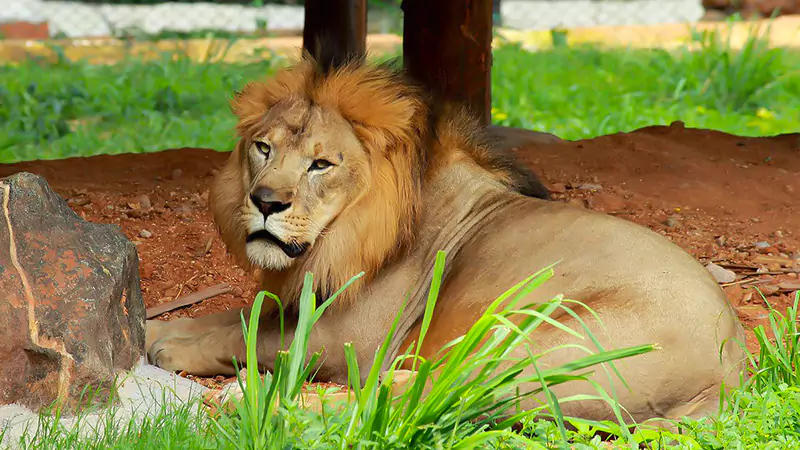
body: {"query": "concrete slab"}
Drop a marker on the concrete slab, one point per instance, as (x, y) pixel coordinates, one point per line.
(145, 391)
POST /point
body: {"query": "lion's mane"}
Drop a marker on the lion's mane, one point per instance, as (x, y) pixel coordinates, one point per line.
(408, 137)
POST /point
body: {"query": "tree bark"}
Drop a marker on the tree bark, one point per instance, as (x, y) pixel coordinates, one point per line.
(447, 46)
(339, 24)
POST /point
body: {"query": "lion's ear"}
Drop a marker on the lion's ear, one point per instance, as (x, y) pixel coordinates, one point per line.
(252, 102)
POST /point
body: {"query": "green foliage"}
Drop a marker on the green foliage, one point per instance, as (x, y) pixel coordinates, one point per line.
(584, 91)
(77, 109)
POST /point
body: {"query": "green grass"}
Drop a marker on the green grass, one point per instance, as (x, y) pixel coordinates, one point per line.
(69, 109)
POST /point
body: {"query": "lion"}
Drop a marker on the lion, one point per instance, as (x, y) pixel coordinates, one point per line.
(350, 167)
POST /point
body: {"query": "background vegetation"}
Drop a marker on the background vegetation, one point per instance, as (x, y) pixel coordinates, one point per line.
(77, 109)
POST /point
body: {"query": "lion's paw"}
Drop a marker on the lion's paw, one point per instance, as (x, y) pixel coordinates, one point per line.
(174, 354)
(153, 331)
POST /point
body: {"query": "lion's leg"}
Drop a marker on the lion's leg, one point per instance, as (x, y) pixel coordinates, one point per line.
(201, 346)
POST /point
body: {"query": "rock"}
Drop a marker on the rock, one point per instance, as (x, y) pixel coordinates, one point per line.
(769, 289)
(144, 201)
(71, 309)
(762, 245)
(672, 222)
(590, 187)
(146, 234)
(721, 274)
(558, 188)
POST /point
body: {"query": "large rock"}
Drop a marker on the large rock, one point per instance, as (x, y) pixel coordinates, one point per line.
(71, 309)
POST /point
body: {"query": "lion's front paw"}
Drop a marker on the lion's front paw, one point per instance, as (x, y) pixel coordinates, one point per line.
(174, 354)
(153, 331)
(199, 353)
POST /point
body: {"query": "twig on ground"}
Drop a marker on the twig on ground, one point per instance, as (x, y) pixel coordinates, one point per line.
(187, 300)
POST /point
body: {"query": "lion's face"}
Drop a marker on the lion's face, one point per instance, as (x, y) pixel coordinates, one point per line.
(303, 166)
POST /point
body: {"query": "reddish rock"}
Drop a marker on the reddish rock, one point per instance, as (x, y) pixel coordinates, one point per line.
(71, 309)
(749, 7)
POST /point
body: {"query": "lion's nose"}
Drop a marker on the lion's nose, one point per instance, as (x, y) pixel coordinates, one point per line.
(266, 202)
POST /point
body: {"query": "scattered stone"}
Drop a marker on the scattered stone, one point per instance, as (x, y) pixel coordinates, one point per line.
(776, 234)
(556, 188)
(721, 241)
(753, 312)
(761, 245)
(590, 187)
(144, 201)
(237, 291)
(71, 309)
(79, 201)
(145, 234)
(721, 274)
(183, 211)
(672, 222)
(769, 289)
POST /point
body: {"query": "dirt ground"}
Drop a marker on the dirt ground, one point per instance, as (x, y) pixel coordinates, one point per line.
(726, 199)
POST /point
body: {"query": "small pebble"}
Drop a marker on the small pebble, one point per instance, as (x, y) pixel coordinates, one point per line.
(762, 244)
(721, 274)
(672, 222)
(590, 187)
(145, 234)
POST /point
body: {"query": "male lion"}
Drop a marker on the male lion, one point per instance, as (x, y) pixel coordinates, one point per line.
(343, 168)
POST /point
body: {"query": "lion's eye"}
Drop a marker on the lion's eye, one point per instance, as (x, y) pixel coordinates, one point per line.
(320, 164)
(263, 147)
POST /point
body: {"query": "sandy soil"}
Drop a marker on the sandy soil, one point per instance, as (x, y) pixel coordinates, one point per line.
(723, 198)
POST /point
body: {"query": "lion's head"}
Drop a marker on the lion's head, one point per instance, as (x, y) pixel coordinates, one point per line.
(328, 172)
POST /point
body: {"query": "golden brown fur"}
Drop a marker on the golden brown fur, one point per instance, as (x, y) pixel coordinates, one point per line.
(347, 169)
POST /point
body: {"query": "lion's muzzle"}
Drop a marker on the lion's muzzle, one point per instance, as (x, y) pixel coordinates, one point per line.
(291, 249)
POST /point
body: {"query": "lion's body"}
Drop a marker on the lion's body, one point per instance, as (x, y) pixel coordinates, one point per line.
(470, 202)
